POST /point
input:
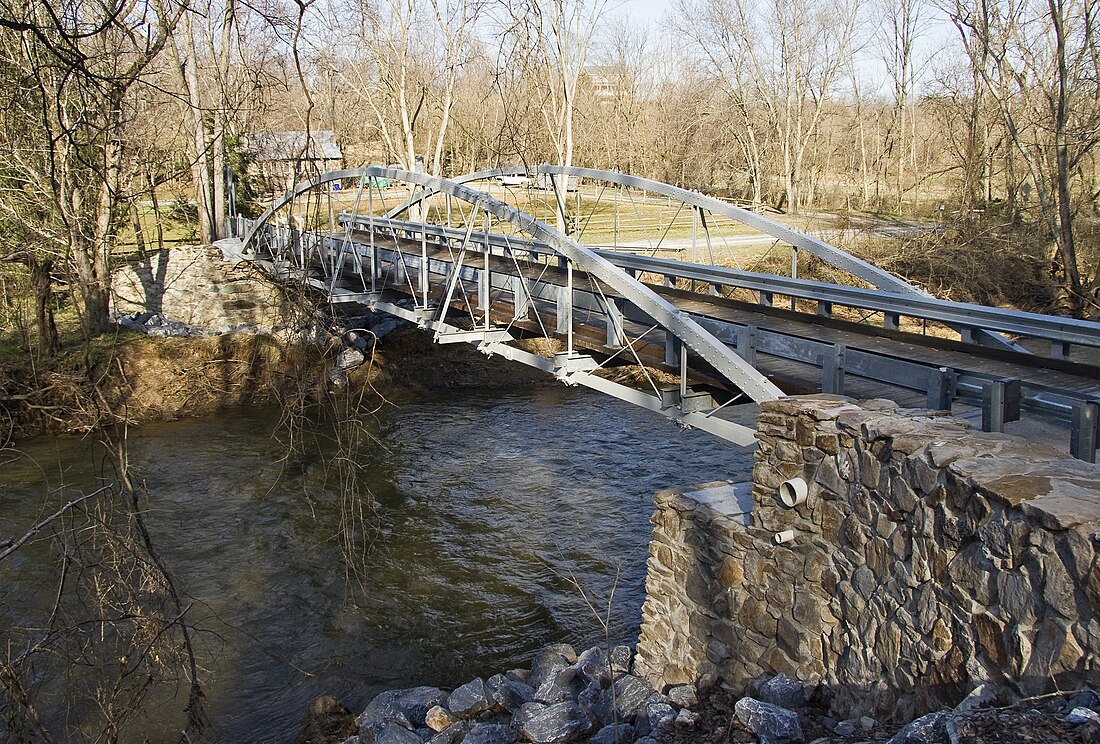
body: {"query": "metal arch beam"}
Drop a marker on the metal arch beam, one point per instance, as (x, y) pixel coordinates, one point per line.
(830, 254)
(694, 337)
(517, 170)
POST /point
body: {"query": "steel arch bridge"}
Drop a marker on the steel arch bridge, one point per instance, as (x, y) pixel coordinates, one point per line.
(456, 258)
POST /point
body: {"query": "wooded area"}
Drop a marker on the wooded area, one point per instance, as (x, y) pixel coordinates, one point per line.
(980, 113)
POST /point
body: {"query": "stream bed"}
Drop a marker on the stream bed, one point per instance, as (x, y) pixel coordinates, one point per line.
(497, 522)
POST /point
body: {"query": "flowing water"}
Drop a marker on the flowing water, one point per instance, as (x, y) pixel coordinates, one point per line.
(498, 517)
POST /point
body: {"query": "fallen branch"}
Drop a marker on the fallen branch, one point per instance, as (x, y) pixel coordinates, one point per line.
(9, 547)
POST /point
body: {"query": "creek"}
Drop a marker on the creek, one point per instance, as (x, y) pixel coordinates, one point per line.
(493, 515)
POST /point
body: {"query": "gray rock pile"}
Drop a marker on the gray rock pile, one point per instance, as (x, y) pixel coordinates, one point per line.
(156, 324)
(781, 710)
(563, 697)
(358, 335)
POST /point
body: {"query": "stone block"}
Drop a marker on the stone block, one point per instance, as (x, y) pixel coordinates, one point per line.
(777, 431)
(901, 544)
(1043, 655)
(805, 430)
(406, 707)
(731, 574)
(697, 587)
(453, 734)
(812, 455)
(1079, 552)
(616, 733)
(1016, 596)
(883, 525)
(828, 443)
(780, 598)
(754, 616)
(869, 469)
(989, 638)
(509, 694)
(551, 724)
(717, 652)
(770, 723)
(920, 473)
(439, 718)
(628, 695)
(827, 476)
(792, 638)
(1059, 591)
(388, 732)
(852, 603)
(852, 535)
(767, 477)
(880, 562)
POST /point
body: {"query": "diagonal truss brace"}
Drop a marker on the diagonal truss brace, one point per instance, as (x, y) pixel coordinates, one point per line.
(694, 337)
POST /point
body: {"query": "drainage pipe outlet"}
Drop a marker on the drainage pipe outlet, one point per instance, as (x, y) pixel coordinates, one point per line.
(793, 492)
(785, 536)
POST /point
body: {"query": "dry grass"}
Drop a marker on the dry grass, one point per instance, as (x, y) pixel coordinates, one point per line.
(990, 267)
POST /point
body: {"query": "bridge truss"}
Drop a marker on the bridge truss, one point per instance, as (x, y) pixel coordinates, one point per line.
(614, 306)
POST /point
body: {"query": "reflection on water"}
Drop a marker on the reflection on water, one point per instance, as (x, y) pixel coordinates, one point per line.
(493, 510)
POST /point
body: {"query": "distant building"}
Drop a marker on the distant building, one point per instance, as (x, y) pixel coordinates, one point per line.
(281, 158)
(605, 81)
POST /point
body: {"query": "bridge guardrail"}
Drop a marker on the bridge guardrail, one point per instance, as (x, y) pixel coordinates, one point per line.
(893, 305)
(1077, 406)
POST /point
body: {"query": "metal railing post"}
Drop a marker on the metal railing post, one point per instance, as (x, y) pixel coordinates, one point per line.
(613, 317)
(941, 383)
(1000, 403)
(1083, 430)
(746, 343)
(832, 370)
(521, 302)
(564, 311)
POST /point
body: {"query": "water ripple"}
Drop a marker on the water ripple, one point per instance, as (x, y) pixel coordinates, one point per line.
(496, 509)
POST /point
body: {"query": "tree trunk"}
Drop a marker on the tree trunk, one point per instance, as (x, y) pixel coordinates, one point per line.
(217, 219)
(187, 70)
(42, 281)
(92, 289)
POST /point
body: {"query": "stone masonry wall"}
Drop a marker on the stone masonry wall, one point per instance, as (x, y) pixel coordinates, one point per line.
(194, 285)
(926, 559)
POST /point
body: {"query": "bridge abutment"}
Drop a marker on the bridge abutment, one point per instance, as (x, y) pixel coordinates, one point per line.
(925, 559)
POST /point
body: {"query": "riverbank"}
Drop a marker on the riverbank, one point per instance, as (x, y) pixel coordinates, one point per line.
(141, 379)
(593, 697)
(198, 332)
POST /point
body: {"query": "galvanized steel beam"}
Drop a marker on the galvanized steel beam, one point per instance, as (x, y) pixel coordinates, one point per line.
(709, 349)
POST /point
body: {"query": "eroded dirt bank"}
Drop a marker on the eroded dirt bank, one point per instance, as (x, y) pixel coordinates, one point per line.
(141, 379)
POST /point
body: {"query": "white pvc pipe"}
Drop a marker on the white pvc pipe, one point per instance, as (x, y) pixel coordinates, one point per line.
(785, 536)
(793, 492)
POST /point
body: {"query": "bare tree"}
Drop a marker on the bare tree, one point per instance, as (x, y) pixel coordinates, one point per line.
(405, 67)
(779, 62)
(903, 23)
(1040, 63)
(79, 65)
(204, 79)
(551, 41)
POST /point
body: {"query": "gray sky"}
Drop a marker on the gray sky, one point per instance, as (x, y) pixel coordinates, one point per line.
(937, 40)
(647, 10)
